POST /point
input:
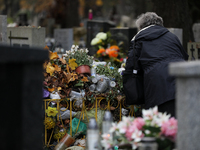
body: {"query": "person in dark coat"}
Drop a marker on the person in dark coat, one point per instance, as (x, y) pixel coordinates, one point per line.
(155, 47)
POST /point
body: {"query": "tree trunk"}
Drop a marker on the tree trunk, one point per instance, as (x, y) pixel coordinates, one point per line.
(175, 14)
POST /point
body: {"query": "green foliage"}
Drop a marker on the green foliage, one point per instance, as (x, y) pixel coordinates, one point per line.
(81, 56)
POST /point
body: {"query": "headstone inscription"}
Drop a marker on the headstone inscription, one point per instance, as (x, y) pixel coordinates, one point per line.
(125, 35)
(63, 38)
(187, 103)
(26, 36)
(94, 27)
(3, 29)
(22, 97)
(193, 50)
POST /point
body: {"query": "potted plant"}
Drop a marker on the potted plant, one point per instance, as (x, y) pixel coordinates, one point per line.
(78, 59)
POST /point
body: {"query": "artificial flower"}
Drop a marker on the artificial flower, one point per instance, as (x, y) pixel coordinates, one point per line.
(101, 35)
(169, 128)
(49, 123)
(113, 53)
(153, 124)
(51, 111)
(101, 50)
(95, 41)
(115, 47)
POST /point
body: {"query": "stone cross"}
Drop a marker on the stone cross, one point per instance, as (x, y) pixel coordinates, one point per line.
(187, 103)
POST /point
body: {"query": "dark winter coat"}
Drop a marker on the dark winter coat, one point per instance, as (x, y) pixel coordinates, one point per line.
(155, 48)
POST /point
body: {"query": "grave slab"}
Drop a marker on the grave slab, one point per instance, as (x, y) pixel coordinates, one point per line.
(26, 36)
(21, 98)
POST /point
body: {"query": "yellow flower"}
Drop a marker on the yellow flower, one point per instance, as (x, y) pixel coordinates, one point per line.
(51, 111)
(49, 123)
(50, 69)
(72, 64)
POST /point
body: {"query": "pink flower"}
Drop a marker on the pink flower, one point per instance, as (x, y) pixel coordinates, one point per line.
(139, 122)
(169, 128)
(130, 130)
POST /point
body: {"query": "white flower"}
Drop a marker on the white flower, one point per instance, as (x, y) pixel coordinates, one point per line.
(137, 135)
(73, 46)
(86, 50)
(163, 117)
(81, 50)
(76, 48)
(121, 69)
(107, 141)
(147, 131)
(101, 35)
(64, 55)
(95, 41)
(113, 128)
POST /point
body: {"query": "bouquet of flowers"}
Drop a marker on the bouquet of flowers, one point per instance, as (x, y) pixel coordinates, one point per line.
(108, 49)
(152, 124)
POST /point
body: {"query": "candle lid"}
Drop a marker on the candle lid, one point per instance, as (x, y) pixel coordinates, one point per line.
(92, 124)
(108, 116)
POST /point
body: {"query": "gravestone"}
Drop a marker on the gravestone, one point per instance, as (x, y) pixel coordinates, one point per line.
(196, 31)
(26, 36)
(187, 103)
(178, 32)
(3, 29)
(94, 27)
(193, 50)
(64, 38)
(22, 98)
(124, 34)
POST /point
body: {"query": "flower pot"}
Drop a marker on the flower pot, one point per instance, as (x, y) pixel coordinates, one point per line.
(84, 69)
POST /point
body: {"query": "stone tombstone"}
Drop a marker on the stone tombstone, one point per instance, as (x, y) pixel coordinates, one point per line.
(94, 27)
(3, 29)
(26, 36)
(64, 38)
(193, 50)
(187, 103)
(123, 34)
(22, 97)
(178, 32)
(196, 31)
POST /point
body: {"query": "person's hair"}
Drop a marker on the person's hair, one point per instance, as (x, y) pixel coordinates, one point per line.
(149, 18)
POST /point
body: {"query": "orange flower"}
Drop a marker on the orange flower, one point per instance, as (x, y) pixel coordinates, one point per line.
(101, 50)
(113, 53)
(114, 47)
(108, 51)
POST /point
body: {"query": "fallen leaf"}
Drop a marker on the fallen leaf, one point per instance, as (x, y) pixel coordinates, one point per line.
(51, 89)
(63, 61)
(73, 64)
(85, 79)
(53, 55)
(59, 88)
(50, 69)
(46, 47)
(57, 68)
